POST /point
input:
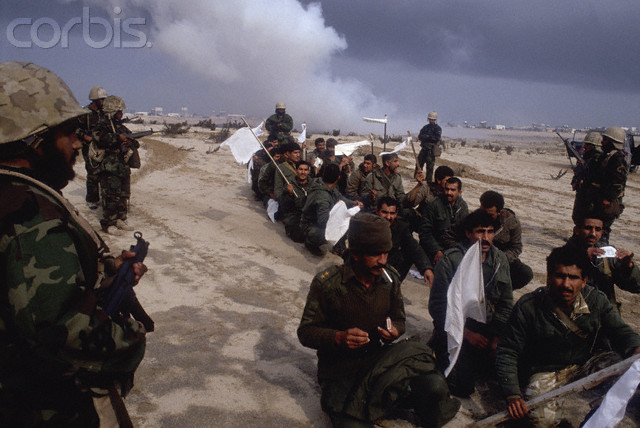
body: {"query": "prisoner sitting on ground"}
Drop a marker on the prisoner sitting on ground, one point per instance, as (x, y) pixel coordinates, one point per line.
(352, 315)
(552, 335)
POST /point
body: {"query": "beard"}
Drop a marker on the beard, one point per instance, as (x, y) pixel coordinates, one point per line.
(53, 167)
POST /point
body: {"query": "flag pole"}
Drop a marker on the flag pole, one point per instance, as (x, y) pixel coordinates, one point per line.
(269, 154)
(413, 149)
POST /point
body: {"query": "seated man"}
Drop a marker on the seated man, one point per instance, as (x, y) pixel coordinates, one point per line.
(384, 182)
(418, 197)
(322, 196)
(316, 154)
(551, 333)
(479, 339)
(442, 212)
(290, 157)
(605, 272)
(291, 205)
(267, 177)
(353, 313)
(405, 251)
(355, 183)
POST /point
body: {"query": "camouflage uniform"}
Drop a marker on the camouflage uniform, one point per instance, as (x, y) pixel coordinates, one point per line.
(383, 185)
(87, 124)
(289, 170)
(115, 173)
(279, 127)
(56, 343)
(266, 181)
(291, 209)
(429, 137)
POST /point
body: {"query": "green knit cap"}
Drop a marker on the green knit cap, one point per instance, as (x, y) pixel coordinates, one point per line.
(369, 234)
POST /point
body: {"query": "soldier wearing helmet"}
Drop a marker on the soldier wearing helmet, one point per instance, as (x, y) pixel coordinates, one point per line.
(120, 155)
(280, 124)
(58, 346)
(605, 180)
(429, 137)
(87, 123)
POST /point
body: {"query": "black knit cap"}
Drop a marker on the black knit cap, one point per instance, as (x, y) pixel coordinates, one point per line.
(369, 234)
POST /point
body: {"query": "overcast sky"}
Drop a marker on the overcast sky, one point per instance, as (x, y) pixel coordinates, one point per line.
(516, 62)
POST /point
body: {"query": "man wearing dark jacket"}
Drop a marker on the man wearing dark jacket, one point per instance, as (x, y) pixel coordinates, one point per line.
(353, 313)
(553, 331)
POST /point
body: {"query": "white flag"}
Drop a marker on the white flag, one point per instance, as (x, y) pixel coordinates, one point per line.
(272, 209)
(465, 299)
(303, 135)
(399, 147)
(369, 119)
(338, 222)
(347, 149)
(614, 405)
(243, 144)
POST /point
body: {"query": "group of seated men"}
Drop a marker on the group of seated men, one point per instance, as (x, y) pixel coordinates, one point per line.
(354, 312)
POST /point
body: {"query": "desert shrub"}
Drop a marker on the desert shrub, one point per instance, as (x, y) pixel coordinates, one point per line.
(508, 149)
(207, 123)
(175, 128)
(335, 132)
(352, 134)
(463, 143)
(220, 136)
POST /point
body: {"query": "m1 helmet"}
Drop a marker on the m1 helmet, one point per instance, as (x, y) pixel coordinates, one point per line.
(433, 115)
(280, 104)
(616, 135)
(594, 138)
(113, 104)
(33, 100)
(97, 93)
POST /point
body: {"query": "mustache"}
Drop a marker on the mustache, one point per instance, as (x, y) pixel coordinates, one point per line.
(485, 242)
(379, 266)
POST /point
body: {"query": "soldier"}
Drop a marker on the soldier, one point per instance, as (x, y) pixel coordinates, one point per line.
(439, 215)
(290, 157)
(280, 124)
(384, 182)
(267, 178)
(550, 336)
(260, 159)
(356, 181)
(87, 124)
(352, 314)
(316, 155)
(603, 187)
(592, 146)
(120, 151)
(429, 137)
(291, 205)
(605, 272)
(60, 352)
(418, 197)
(480, 339)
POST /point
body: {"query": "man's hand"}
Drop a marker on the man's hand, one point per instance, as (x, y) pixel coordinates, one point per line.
(428, 277)
(290, 188)
(139, 269)
(475, 339)
(593, 252)
(389, 335)
(358, 204)
(517, 408)
(437, 257)
(625, 257)
(373, 194)
(420, 177)
(353, 338)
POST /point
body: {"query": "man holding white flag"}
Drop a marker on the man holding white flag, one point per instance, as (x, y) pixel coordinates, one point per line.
(461, 292)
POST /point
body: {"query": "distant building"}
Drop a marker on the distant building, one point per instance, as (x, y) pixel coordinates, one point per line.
(501, 127)
(142, 113)
(173, 115)
(184, 111)
(158, 111)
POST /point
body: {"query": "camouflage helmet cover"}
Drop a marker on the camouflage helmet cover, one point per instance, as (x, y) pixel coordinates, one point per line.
(432, 115)
(113, 104)
(33, 100)
(616, 134)
(96, 93)
(594, 138)
(280, 104)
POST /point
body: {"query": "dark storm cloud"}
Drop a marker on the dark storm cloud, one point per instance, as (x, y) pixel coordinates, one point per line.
(581, 43)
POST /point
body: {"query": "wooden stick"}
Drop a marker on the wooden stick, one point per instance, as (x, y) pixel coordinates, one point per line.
(269, 154)
(579, 385)
(413, 149)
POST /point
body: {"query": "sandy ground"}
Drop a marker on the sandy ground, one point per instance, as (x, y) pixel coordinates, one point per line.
(226, 287)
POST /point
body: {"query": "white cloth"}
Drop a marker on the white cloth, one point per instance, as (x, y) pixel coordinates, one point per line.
(249, 168)
(369, 119)
(272, 209)
(608, 252)
(614, 405)
(303, 135)
(243, 144)
(399, 147)
(338, 222)
(465, 299)
(347, 149)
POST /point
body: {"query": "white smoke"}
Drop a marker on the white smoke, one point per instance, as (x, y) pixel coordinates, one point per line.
(261, 52)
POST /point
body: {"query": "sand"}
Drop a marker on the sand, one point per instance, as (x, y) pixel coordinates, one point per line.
(226, 287)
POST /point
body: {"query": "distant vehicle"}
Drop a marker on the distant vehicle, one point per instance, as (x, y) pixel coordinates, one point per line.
(632, 149)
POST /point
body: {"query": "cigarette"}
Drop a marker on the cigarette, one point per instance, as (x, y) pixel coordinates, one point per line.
(389, 324)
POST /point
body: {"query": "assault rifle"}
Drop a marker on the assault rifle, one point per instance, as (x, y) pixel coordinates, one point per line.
(136, 135)
(121, 299)
(571, 150)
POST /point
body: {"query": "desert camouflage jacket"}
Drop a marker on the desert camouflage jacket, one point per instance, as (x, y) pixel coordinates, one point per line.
(429, 134)
(52, 332)
(279, 126)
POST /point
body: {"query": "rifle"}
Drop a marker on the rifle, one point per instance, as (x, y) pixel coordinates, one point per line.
(136, 135)
(121, 299)
(571, 151)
